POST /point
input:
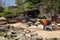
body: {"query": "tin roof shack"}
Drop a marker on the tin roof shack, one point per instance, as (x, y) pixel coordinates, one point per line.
(33, 13)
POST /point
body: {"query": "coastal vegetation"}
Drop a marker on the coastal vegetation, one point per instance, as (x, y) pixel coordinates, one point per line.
(24, 5)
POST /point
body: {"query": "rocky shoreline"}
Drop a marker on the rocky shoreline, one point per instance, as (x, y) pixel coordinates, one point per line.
(13, 33)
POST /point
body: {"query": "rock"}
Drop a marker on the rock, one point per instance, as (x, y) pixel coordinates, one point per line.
(3, 30)
(20, 32)
(26, 31)
(19, 36)
(27, 35)
(13, 35)
(23, 38)
(33, 34)
(13, 32)
(16, 39)
(2, 38)
(37, 37)
(58, 38)
(9, 33)
(5, 36)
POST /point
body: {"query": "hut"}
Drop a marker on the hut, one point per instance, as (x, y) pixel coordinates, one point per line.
(33, 13)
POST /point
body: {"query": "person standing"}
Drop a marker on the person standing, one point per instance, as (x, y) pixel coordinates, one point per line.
(44, 23)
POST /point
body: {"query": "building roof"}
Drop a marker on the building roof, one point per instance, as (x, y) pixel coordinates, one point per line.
(30, 10)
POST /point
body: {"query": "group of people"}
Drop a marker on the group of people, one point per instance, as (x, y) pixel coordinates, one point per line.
(43, 24)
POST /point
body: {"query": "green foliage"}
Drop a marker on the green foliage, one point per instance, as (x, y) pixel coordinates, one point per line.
(35, 1)
(28, 5)
(9, 12)
(53, 4)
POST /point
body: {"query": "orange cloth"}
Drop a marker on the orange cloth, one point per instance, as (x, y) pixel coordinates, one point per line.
(44, 22)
